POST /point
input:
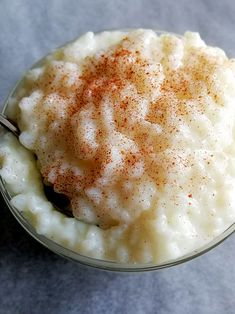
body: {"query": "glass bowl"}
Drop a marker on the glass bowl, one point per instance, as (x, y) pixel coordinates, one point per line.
(90, 261)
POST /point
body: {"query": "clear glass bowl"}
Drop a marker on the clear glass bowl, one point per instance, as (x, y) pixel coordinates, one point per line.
(89, 261)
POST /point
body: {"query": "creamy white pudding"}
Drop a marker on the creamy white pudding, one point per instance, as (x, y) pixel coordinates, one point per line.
(137, 130)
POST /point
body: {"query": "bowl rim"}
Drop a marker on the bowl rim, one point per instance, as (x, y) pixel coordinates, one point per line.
(86, 260)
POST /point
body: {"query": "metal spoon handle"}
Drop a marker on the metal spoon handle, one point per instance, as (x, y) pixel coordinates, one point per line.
(6, 123)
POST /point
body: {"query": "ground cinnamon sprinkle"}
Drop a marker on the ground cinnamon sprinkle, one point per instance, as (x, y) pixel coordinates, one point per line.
(120, 118)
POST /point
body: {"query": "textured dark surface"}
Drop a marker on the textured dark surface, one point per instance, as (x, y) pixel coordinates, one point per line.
(34, 280)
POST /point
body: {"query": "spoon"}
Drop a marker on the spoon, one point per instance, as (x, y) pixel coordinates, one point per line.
(8, 124)
(59, 201)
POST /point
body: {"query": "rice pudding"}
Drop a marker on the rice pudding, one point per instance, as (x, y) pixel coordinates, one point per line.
(137, 130)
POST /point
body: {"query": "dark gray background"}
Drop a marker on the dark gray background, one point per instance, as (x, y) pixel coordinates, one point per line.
(34, 280)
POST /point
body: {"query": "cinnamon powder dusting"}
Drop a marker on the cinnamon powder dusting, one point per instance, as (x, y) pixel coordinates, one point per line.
(115, 127)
